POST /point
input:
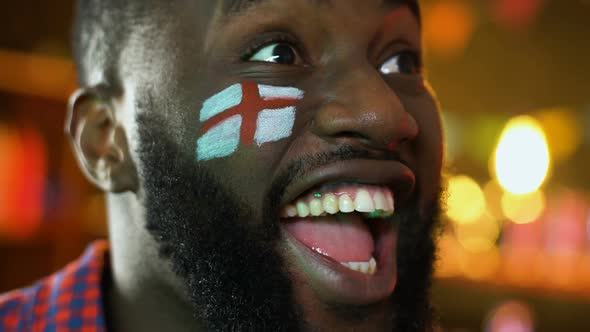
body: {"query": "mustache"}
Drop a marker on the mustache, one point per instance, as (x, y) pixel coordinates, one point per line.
(306, 164)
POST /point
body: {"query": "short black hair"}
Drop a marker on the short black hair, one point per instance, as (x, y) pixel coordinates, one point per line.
(101, 28)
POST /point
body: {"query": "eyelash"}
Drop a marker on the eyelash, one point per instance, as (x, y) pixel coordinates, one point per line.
(255, 46)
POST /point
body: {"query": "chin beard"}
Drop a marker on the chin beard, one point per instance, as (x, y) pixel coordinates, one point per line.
(236, 280)
(416, 254)
(235, 277)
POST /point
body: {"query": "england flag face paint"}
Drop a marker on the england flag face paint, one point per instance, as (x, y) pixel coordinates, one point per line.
(246, 113)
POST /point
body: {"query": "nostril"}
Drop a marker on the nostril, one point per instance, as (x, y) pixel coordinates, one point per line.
(393, 146)
(398, 142)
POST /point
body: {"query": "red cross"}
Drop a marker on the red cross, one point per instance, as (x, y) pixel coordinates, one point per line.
(249, 108)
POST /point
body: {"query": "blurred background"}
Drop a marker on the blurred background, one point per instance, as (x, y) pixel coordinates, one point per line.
(512, 79)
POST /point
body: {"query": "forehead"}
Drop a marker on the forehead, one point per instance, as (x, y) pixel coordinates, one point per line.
(238, 18)
(234, 7)
(238, 6)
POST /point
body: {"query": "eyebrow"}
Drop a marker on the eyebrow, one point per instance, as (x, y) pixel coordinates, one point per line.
(237, 7)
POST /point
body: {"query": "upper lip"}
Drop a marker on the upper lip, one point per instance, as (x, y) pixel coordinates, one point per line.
(392, 174)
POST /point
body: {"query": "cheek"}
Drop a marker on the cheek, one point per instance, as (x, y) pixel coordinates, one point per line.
(431, 134)
(243, 115)
(429, 145)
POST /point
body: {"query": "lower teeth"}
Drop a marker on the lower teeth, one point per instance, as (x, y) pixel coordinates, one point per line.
(369, 267)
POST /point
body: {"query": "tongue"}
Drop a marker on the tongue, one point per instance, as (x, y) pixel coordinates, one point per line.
(344, 237)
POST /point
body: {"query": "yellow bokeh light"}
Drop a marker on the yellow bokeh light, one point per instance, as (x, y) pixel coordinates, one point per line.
(564, 132)
(523, 209)
(466, 201)
(449, 252)
(522, 156)
(493, 193)
(482, 265)
(479, 236)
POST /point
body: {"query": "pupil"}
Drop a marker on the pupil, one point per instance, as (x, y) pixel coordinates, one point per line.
(284, 54)
(407, 63)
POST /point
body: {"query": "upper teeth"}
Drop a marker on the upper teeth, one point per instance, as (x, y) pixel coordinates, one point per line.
(372, 200)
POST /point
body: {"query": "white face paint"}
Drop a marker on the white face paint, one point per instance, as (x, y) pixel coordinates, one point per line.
(274, 125)
(246, 113)
(221, 140)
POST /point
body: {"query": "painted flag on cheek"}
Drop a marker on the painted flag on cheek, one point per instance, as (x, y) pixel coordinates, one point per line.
(246, 113)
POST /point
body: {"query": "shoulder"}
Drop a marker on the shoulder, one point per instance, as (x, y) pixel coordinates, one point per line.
(19, 307)
(68, 299)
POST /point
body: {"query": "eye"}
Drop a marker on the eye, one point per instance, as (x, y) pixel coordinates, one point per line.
(280, 53)
(402, 63)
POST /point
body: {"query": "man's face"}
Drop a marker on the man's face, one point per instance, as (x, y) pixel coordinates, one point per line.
(290, 158)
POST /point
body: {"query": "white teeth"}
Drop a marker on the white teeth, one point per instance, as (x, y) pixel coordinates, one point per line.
(364, 267)
(346, 204)
(381, 205)
(316, 208)
(291, 211)
(390, 202)
(380, 201)
(372, 266)
(369, 267)
(331, 204)
(302, 209)
(363, 202)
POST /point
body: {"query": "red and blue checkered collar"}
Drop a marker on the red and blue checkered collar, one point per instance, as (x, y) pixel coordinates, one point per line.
(70, 300)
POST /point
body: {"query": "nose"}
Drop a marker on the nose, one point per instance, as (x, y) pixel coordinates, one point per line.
(364, 108)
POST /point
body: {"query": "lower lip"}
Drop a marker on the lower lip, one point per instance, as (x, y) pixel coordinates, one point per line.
(336, 284)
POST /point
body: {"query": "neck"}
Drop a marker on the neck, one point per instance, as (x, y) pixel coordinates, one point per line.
(143, 293)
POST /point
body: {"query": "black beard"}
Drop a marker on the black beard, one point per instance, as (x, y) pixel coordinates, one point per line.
(416, 253)
(236, 279)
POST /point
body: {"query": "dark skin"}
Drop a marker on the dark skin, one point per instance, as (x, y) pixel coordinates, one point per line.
(196, 50)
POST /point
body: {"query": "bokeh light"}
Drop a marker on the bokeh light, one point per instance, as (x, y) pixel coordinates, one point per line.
(516, 14)
(565, 226)
(449, 26)
(523, 209)
(466, 201)
(479, 236)
(522, 157)
(511, 316)
(20, 73)
(482, 135)
(449, 255)
(523, 236)
(23, 164)
(564, 132)
(493, 193)
(482, 265)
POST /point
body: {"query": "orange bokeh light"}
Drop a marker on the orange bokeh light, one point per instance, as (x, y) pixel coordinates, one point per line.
(448, 27)
(22, 182)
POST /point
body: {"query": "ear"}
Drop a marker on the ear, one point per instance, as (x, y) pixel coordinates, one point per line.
(100, 142)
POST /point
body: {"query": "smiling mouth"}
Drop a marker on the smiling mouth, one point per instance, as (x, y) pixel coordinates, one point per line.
(343, 223)
(338, 225)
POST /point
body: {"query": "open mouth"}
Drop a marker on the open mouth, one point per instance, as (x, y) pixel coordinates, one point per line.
(346, 236)
(342, 232)
(342, 222)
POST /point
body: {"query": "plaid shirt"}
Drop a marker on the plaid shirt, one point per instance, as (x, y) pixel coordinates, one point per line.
(69, 300)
